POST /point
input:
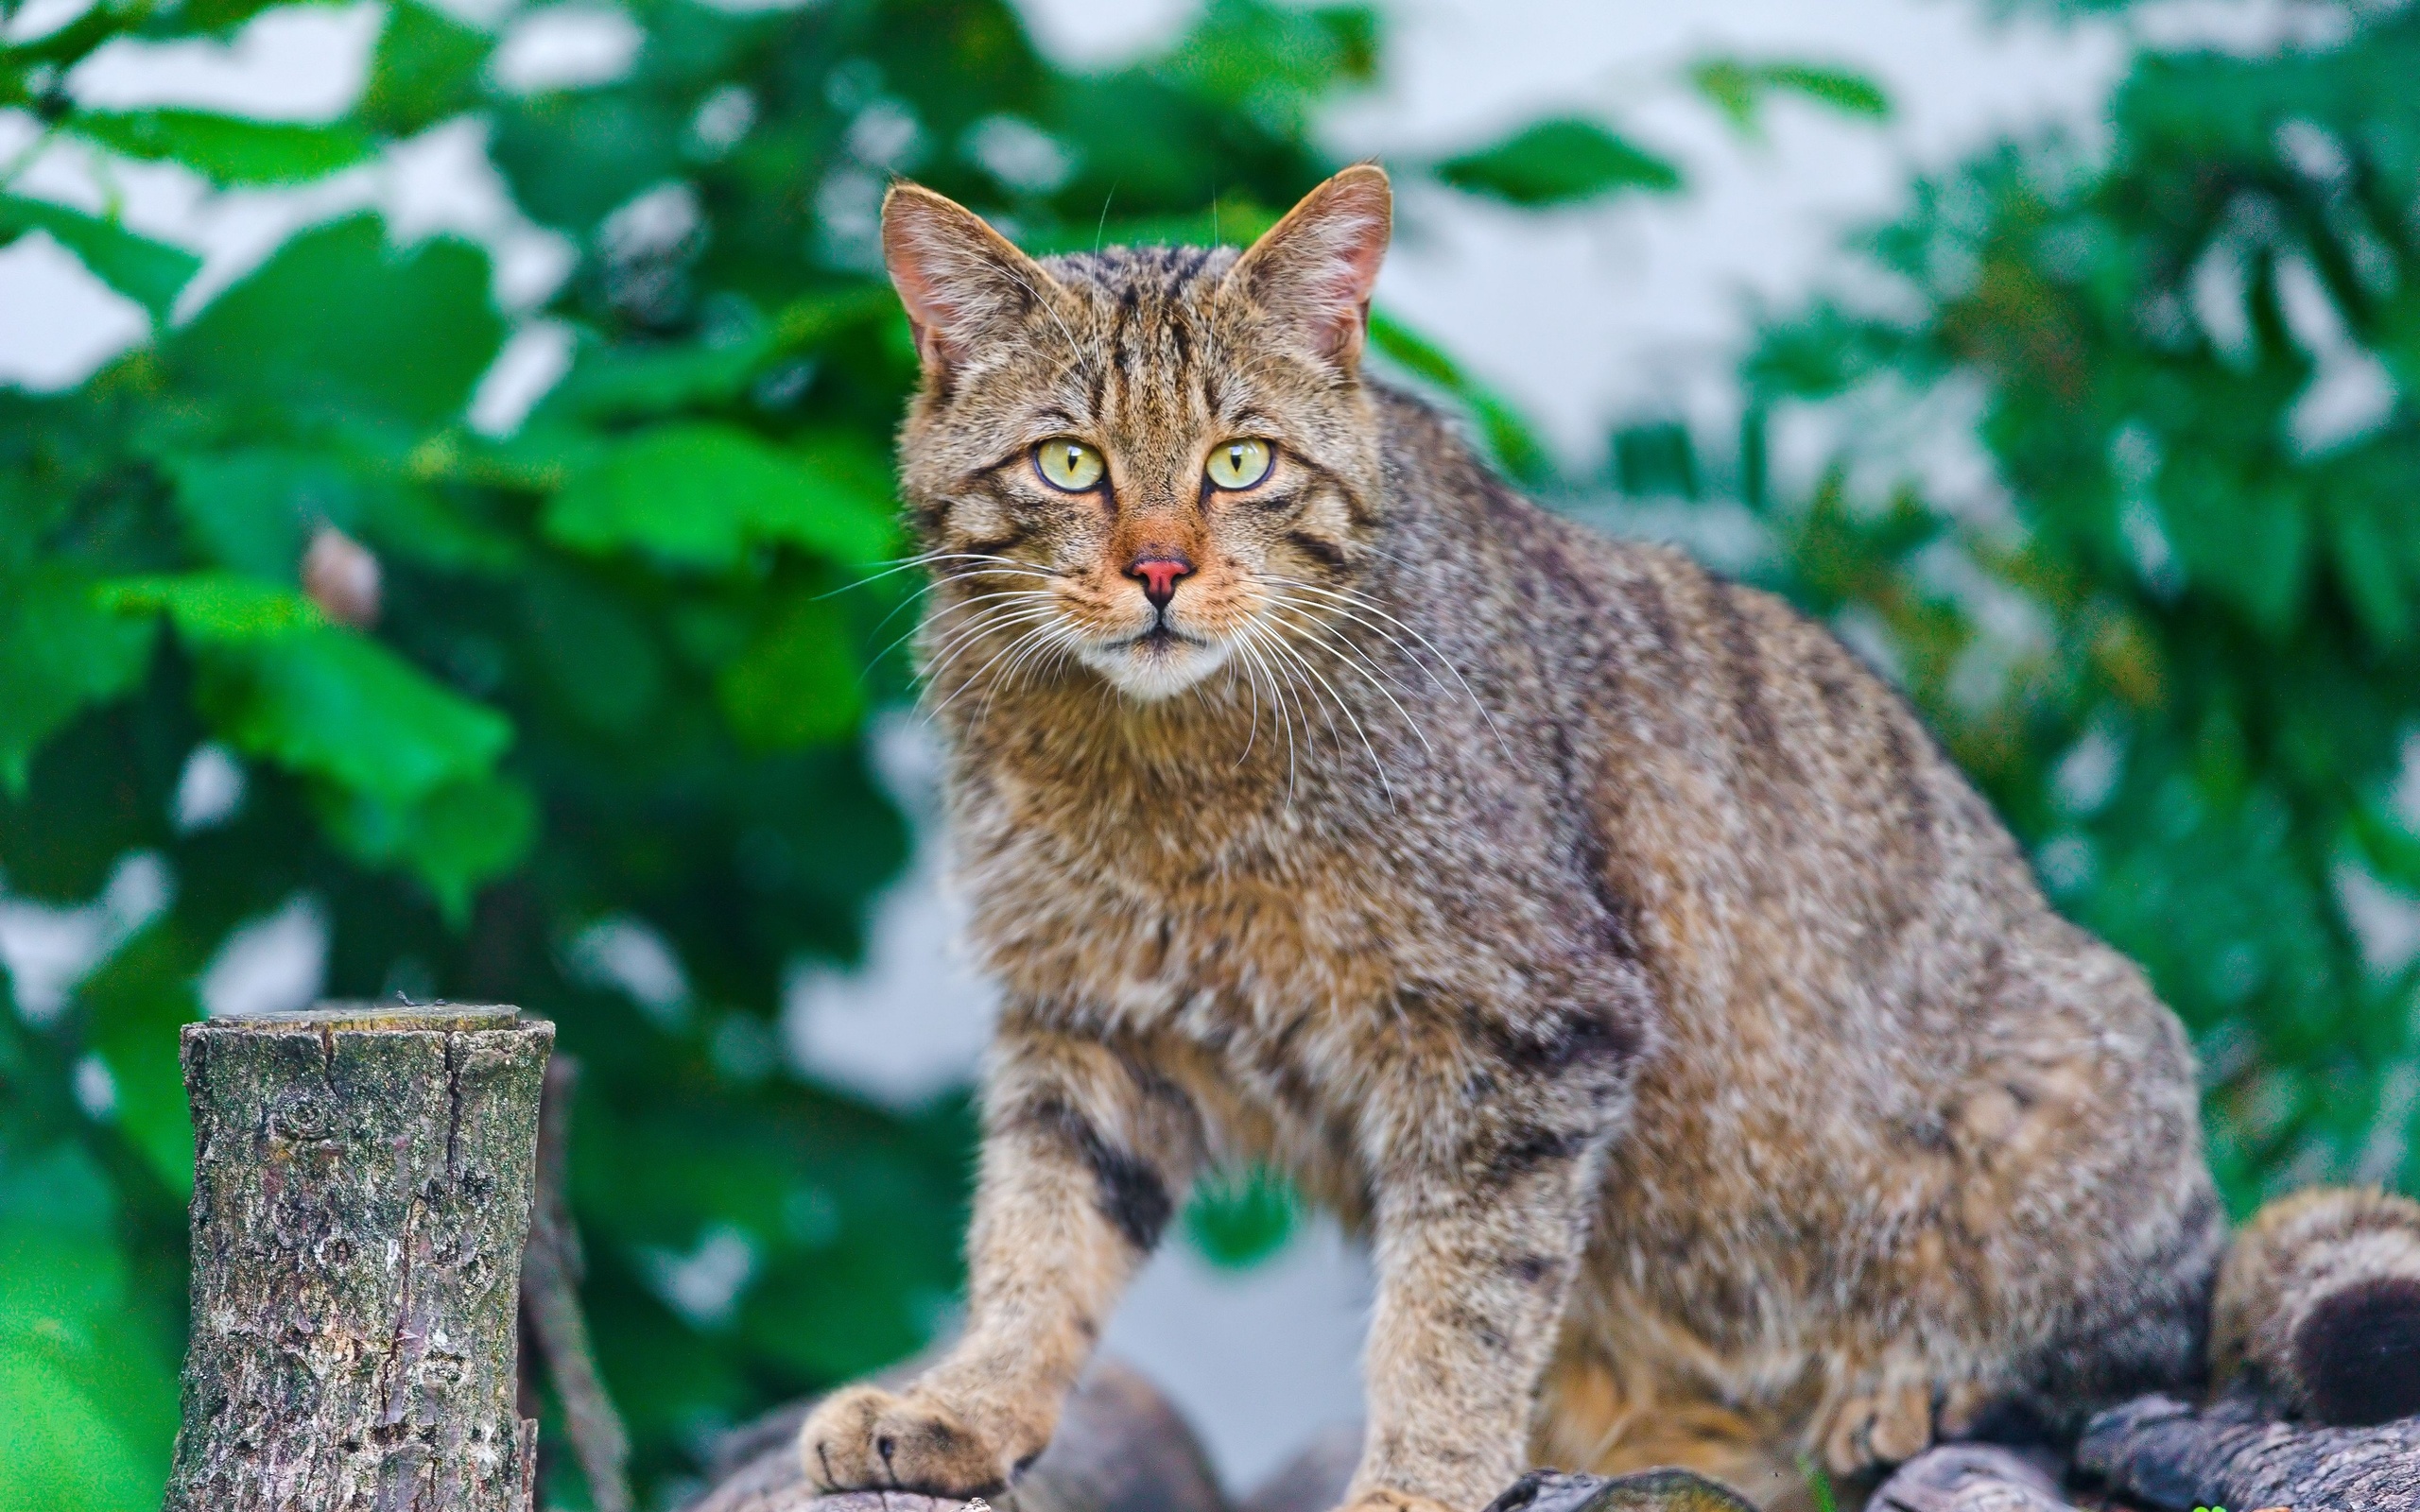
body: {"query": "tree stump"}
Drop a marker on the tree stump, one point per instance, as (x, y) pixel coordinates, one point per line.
(362, 1180)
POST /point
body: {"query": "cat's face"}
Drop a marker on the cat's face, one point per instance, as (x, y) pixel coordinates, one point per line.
(1148, 461)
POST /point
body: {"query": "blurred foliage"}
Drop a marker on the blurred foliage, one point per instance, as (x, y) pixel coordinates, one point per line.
(593, 739)
(1741, 89)
(2182, 654)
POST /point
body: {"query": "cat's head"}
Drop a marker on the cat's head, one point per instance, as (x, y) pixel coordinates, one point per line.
(1157, 457)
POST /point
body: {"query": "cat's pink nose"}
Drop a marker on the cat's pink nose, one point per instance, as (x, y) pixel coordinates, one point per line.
(1158, 576)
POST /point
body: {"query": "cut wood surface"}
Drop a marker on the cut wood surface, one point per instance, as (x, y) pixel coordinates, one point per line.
(2161, 1452)
(362, 1183)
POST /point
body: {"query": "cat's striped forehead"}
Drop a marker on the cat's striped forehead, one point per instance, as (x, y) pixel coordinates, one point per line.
(1155, 334)
(1120, 274)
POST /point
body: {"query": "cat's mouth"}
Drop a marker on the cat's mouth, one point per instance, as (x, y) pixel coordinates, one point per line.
(1160, 636)
(1156, 662)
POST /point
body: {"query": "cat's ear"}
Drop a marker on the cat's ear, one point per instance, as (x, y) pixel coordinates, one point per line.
(1313, 270)
(961, 280)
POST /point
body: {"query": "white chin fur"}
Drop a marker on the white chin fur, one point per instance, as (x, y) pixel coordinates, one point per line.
(1150, 673)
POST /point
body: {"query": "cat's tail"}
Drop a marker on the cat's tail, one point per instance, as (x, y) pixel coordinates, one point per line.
(2319, 1303)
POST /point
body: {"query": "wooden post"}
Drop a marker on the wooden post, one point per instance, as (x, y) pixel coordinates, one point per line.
(361, 1195)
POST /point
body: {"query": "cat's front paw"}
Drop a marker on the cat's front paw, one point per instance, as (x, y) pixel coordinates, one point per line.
(868, 1439)
(1886, 1424)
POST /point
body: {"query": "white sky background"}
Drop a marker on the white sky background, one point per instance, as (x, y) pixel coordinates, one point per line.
(1637, 308)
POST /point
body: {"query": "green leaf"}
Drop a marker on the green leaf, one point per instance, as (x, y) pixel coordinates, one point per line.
(2250, 544)
(1844, 90)
(133, 1005)
(812, 319)
(632, 380)
(462, 836)
(1558, 163)
(426, 68)
(338, 321)
(797, 685)
(1241, 1218)
(594, 652)
(280, 682)
(700, 495)
(345, 709)
(217, 609)
(1739, 89)
(87, 1405)
(226, 150)
(150, 273)
(251, 508)
(60, 651)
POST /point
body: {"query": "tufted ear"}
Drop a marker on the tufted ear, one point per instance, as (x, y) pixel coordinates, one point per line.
(1313, 270)
(961, 280)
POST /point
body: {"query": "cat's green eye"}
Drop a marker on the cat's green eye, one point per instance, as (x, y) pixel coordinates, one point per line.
(1067, 463)
(1239, 464)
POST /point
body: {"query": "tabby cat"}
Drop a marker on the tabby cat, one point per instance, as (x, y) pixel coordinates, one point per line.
(1598, 936)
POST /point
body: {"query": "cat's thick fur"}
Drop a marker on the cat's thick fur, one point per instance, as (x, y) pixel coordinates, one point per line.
(1598, 937)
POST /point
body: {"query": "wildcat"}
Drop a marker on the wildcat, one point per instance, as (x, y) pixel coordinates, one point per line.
(1598, 936)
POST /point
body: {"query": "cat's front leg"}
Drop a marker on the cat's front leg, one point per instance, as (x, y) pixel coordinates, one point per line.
(1487, 1191)
(1086, 1153)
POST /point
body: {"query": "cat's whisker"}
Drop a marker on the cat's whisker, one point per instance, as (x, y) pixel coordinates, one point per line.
(900, 564)
(1253, 733)
(1410, 653)
(1363, 601)
(1353, 656)
(1033, 644)
(891, 568)
(1258, 639)
(914, 599)
(982, 676)
(973, 635)
(1350, 718)
(1292, 654)
(950, 609)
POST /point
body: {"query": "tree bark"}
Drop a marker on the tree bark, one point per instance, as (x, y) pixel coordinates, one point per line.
(361, 1195)
(2236, 1453)
(1665, 1490)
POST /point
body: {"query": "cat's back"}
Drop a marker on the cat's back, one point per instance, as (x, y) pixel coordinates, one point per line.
(1722, 743)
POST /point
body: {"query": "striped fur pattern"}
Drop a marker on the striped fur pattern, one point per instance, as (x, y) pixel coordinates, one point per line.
(1598, 937)
(2319, 1305)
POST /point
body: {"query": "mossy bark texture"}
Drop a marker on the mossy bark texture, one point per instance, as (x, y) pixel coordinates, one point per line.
(362, 1183)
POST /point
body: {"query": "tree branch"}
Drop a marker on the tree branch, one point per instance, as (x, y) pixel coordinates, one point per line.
(2235, 1453)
